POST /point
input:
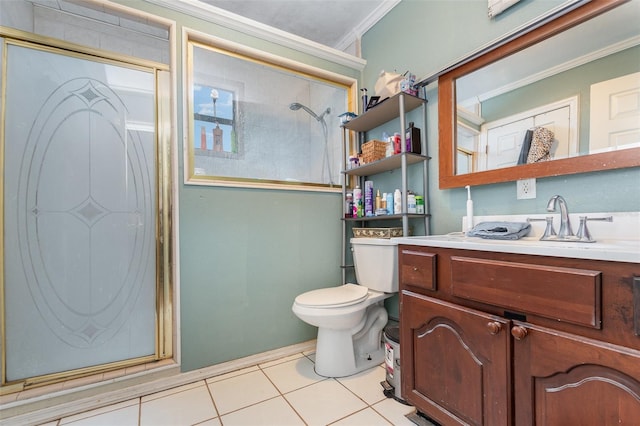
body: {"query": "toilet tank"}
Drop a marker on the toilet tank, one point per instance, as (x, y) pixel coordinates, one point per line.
(376, 263)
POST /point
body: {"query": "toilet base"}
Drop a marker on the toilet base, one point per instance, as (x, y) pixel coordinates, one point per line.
(341, 353)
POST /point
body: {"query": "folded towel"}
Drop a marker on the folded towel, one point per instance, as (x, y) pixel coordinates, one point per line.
(500, 230)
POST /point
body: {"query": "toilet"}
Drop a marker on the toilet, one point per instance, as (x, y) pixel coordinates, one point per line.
(350, 318)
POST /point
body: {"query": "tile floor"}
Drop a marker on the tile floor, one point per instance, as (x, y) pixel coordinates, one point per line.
(277, 393)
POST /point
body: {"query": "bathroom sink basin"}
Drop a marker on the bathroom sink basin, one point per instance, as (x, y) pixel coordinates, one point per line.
(606, 249)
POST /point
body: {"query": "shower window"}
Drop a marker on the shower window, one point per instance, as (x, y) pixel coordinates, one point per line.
(214, 121)
(257, 120)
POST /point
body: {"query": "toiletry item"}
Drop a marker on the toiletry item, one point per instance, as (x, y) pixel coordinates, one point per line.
(357, 202)
(411, 202)
(397, 147)
(469, 209)
(348, 205)
(389, 148)
(390, 203)
(368, 198)
(383, 202)
(378, 202)
(365, 100)
(419, 204)
(397, 202)
(413, 139)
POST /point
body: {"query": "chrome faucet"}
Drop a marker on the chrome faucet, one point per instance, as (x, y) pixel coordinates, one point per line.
(565, 230)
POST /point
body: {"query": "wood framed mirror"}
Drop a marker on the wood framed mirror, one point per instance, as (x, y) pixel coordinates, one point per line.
(459, 165)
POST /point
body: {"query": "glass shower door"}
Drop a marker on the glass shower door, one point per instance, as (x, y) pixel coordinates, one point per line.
(79, 211)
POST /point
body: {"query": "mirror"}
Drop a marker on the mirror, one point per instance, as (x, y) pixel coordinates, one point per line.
(487, 104)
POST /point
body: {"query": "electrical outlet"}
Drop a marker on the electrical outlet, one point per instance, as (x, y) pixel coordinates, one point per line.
(526, 189)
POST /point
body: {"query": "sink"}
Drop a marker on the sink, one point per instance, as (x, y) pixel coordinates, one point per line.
(606, 249)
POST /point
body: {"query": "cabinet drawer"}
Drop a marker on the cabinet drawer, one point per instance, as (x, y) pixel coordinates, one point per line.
(418, 269)
(563, 294)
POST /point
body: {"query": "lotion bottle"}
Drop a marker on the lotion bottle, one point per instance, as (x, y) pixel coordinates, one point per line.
(469, 210)
(397, 202)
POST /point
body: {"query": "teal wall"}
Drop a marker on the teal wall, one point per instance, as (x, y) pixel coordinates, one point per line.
(426, 36)
(245, 254)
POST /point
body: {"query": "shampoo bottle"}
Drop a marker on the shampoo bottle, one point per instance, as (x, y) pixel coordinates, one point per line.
(397, 202)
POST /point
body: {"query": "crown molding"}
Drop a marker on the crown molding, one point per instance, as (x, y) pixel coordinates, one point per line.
(256, 29)
(377, 14)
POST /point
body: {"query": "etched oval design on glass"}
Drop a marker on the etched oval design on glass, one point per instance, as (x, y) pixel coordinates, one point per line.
(87, 225)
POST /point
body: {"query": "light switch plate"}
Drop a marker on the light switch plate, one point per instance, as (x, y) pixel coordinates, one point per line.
(526, 189)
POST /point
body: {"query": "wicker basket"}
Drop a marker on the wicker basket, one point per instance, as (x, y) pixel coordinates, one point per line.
(373, 150)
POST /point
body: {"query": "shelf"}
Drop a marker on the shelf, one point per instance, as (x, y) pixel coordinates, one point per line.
(383, 113)
(385, 217)
(384, 165)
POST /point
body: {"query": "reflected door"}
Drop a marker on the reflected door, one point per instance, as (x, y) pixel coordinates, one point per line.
(79, 213)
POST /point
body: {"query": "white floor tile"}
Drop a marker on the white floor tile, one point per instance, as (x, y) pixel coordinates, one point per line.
(125, 413)
(281, 360)
(187, 407)
(293, 375)
(272, 412)
(242, 391)
(366, 384)
(324, 402)
(395, 412)
(172, 391)
(232, 374)
(366, 417)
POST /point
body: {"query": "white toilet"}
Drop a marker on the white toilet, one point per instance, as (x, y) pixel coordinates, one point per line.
(350, 318)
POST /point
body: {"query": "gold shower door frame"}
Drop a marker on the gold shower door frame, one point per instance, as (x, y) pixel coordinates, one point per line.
(162, 184)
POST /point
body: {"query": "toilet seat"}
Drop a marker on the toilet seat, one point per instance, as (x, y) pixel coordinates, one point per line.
(332, 297)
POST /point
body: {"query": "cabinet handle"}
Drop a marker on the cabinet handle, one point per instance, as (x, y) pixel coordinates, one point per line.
(519, 332)
(494, 327)
(415, 269)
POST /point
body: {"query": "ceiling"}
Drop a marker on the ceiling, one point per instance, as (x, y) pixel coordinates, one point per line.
(333, 23)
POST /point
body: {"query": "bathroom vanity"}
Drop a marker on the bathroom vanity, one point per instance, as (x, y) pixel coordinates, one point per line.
(520, 332)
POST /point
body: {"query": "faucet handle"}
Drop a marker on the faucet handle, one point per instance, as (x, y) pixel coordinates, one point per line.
(583, 232)
(549, 230)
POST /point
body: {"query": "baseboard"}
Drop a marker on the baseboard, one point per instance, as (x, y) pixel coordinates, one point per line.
(31, 412)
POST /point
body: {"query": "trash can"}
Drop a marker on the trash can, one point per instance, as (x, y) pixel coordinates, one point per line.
(392, 386)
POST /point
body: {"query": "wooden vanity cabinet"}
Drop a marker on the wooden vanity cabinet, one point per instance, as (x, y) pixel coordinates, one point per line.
(502, 339)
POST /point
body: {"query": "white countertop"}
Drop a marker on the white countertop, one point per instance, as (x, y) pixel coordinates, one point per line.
(620, 242)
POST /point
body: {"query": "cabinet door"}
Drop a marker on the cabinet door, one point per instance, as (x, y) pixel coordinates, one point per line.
(455, 362)
(564, 379)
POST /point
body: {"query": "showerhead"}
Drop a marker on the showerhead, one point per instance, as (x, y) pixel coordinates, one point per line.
(296, 106)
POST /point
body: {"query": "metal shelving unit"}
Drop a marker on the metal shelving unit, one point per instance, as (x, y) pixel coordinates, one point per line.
(395, 107)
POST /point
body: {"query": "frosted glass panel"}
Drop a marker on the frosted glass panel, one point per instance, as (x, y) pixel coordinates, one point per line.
(79, 200)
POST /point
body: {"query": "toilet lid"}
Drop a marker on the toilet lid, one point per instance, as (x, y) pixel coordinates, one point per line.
(344, 295)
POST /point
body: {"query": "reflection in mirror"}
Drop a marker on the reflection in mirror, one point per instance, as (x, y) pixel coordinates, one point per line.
(541, 94)
(582, 85)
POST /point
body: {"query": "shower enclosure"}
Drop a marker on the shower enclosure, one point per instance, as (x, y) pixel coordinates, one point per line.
(84, 177)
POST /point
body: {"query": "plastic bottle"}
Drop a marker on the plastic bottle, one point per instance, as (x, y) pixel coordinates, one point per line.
(411, 202)
(389, 202)
(368, 198)
(348, 205)
(378, 202)
(397, 202)
(357, 202)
